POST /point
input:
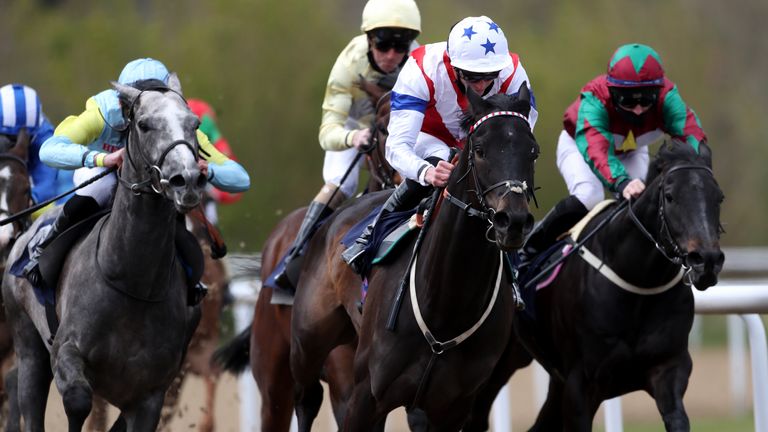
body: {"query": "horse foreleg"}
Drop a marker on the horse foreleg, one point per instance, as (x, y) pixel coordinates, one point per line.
(362, 412)
(97, 421)
(576, 412)
(13, 418)
(76, 392)
(206, 424)
(668, 383)
(550, 414)
(34, 373)
(145, 416)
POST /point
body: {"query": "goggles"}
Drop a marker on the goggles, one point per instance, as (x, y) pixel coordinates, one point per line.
(384, 45)
(474, 77)
(629, 100)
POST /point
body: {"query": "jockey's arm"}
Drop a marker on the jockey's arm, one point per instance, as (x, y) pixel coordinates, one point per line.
(679, 119)
(223, 172)
(67, 148)
(595, 142)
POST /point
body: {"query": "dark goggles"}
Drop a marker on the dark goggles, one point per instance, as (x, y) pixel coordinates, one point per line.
(384, 45)
(474, 77)
(629, 100)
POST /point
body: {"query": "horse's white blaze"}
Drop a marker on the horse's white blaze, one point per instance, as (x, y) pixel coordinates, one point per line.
(174, 113)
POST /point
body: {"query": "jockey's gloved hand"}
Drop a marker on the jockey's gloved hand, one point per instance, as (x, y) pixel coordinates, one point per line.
(630, 188)
(361, 140)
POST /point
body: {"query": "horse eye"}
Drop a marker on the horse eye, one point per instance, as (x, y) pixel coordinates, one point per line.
(479, 152)
(668, 197)
(143, 126)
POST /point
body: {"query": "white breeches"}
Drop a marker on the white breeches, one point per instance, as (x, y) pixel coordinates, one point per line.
(336, 164)
(102, 190)
(581, 181)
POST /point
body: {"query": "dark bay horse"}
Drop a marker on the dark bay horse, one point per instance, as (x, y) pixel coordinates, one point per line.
(122, 295)
(266, 344)
(456, 281)
(600, 338)
(15, 196)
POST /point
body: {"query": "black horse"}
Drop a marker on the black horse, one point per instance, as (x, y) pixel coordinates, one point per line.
(455, 280)
(621, 324)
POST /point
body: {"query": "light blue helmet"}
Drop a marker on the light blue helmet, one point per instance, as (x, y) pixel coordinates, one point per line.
(142, 69)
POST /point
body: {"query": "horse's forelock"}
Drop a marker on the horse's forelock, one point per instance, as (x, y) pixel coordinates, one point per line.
(497, 102)
(675, 152)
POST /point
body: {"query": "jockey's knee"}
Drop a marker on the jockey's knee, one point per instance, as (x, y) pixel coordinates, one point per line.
(589, 195)
(326, 196)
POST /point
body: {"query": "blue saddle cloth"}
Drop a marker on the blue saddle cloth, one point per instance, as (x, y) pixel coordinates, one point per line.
(385, 226)
(43, 294)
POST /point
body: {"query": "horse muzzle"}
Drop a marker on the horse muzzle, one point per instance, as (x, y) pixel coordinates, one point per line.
(705, 266)
(186, 190)
(510, 228)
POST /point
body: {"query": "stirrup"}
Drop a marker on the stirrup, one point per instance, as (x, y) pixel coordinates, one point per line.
(196, 294)
(352, 255)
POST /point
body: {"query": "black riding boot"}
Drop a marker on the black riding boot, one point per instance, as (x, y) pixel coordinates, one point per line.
(75, 210)
(562, 217)
(405, 196)
(315, 213)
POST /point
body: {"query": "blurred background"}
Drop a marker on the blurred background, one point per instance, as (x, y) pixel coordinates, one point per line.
(263, 65)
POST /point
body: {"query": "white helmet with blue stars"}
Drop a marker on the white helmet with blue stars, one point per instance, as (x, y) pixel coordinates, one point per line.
(477, 44)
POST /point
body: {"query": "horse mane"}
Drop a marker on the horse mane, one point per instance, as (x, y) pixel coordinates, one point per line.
(676, 152)
(498, 102)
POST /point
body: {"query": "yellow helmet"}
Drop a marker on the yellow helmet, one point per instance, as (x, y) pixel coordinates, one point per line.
(391, 13)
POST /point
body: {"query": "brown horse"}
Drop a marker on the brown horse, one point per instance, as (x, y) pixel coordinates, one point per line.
(15, 196)
(267, 342)
(455, 284)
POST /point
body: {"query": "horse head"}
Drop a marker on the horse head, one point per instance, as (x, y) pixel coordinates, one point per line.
(162, 148)
(688, 211)
(15, 189)
(499, 157)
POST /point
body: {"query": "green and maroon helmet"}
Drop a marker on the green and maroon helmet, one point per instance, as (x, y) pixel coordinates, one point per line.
(635, 65)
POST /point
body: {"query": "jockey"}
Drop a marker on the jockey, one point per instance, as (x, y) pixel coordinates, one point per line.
(428, 103)
(93, 141)
(208, 126)
(390, 28)
(20, 108)
(607, 133)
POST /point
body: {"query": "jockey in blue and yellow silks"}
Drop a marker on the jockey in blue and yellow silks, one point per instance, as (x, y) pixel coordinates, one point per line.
(93, 141)
(20, 108)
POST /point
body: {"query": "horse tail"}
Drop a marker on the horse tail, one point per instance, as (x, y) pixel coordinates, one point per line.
(234, 356)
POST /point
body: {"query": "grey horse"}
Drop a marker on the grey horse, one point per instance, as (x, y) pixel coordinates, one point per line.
(121, 299)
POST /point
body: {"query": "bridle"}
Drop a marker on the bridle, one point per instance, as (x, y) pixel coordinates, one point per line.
(666, 243)
(510, 186)
(23, 223)
(379, 171)
(156, 182)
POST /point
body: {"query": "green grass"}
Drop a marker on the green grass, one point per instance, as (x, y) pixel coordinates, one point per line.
(725, 424)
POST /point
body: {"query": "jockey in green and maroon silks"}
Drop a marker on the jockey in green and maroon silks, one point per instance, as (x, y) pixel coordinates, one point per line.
(615, 118)
(606, 135)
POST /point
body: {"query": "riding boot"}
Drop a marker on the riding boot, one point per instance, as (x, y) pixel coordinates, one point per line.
(76, 209)
(406, 195)
(315, 213)
(562, 217)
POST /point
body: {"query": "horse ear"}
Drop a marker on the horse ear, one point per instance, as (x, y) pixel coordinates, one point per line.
(477, 104)
(705, 153)
(130, 93)
(21, 148)
(523, 93)
(174, 83)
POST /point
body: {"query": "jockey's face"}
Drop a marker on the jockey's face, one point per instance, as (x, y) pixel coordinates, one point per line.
(387, 56)
(635, 100)
(478, 82)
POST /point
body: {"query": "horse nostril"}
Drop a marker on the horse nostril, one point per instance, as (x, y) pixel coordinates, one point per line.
(528, 223)
(177, 181)
(501, 220)
(695, 259)
(202, 180)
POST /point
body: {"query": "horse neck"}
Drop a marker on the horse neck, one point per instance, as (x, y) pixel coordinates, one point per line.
(634, 256)
(137, 240)
(457, 267)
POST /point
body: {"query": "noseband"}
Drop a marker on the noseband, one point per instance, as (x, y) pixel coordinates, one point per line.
(666, 243)
(156, 181)
(510, 186)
